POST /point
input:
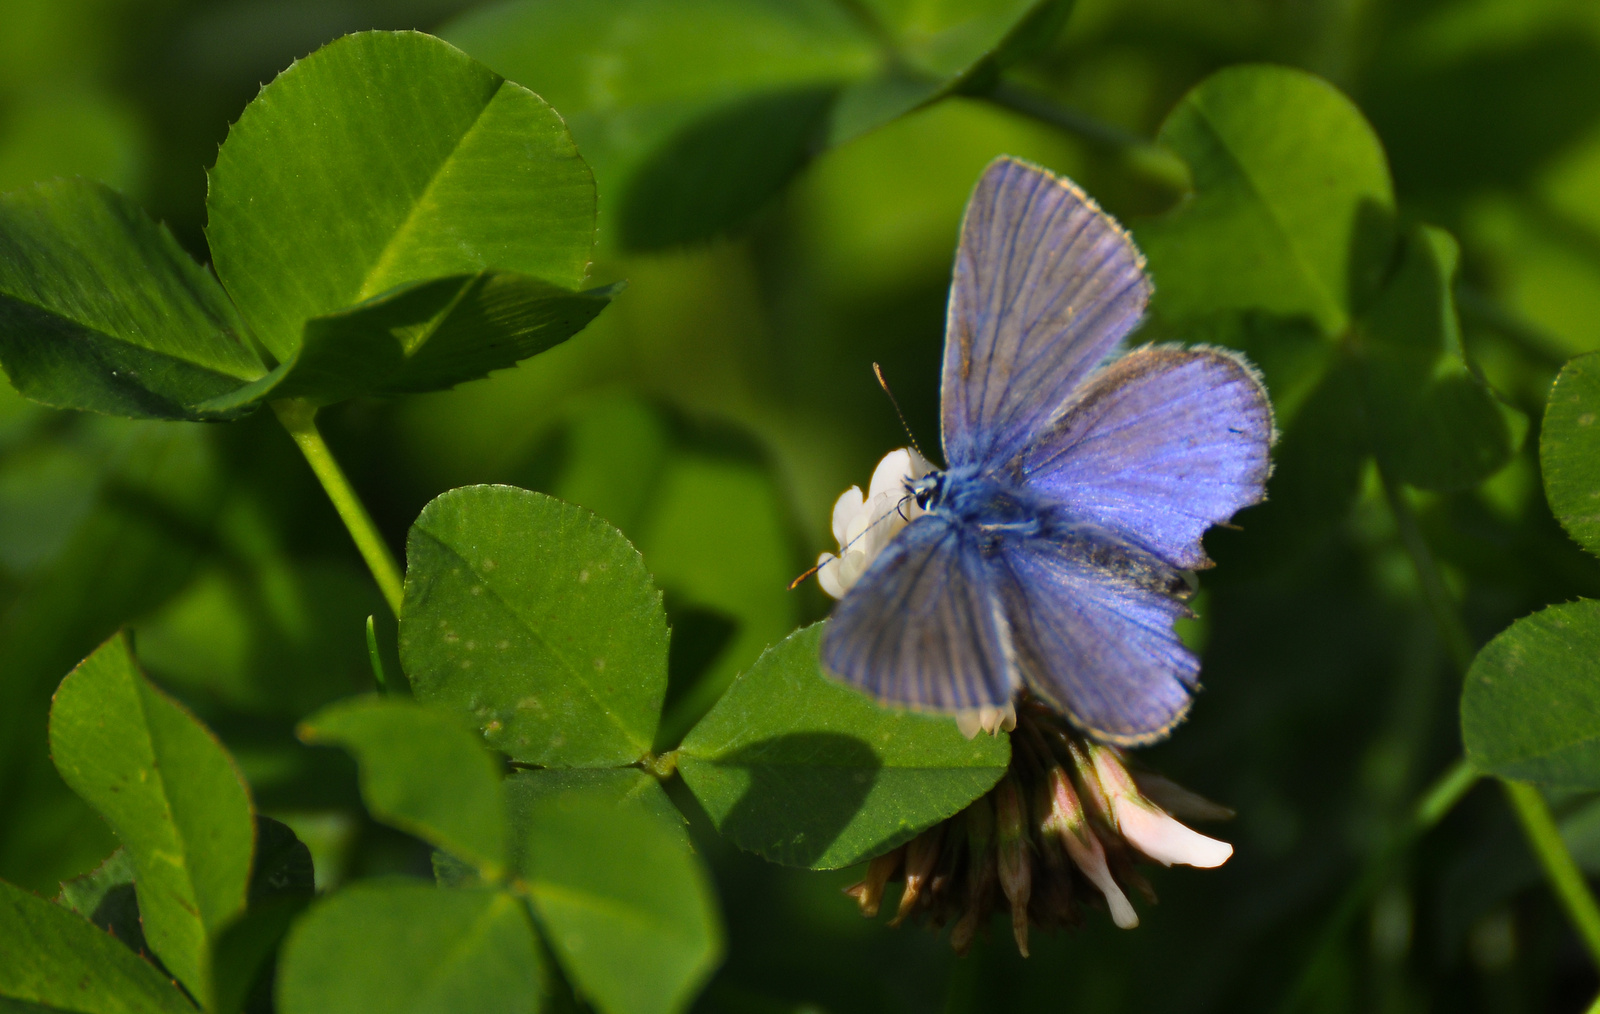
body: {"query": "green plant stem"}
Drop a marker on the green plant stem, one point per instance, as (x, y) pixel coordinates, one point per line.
(1446, 617)
(1150, 159)
(375, 658)
(1437, 801)
(1539, 826)
(299, 418)
(1532, 811)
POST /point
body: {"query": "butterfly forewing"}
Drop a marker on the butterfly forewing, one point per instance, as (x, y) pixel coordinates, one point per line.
(1163, 444)
(1045, 286)
(922, 628)
(1076, 491)
(1099, 648)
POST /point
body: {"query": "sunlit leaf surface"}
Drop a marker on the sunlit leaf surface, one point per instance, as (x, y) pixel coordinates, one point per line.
(810, 772)
(172, 794)
(1530, 709)
(623, 900)
(60, 961)
(404, 945)
(539, 620)
(423, 771)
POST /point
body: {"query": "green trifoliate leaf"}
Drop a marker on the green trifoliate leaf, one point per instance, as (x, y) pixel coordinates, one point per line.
(60, 961)
(694, 116)
(1292, 210)
(242, 954)
(424, 772)
(105, 896)
(436, 334)
(391, 215)
(411, 948)
(948, 39)
(809, 772)
(1569, 450)
(1432, 422)
(717, 538)
(171, 793)
(100, 309)
(1530, 708)
(622, 898)
(282, 884)
(268, 634)
(539, 620)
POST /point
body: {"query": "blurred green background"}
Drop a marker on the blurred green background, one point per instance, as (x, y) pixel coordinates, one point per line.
(715, 411)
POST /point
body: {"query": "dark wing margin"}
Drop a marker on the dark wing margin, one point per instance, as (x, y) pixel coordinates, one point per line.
(1099, 649)
(923, 628)
(1162, 444)
(1046, 284)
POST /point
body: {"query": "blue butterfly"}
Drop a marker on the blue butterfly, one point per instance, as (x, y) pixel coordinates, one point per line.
(1053, 550)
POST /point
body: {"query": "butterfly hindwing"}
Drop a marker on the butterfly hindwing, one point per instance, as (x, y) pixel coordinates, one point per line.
(1099, 648)
(1162, 444)
(1077, 489)
(923, 627)
(1046, 284)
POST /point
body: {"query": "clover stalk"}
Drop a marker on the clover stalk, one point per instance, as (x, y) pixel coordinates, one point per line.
(1532, 810)
(299, 418)
(1439, 799)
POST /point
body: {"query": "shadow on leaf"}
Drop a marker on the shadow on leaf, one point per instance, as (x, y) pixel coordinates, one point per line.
(721, 169)
(804, 790)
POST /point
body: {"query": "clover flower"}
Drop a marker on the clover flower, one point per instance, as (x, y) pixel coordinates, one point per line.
(864, 523)
(1060, 833)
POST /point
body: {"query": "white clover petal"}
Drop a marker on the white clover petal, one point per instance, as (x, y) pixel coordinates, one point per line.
(892, 474)
(854, 564)
(996, 719)
(864, 523)
(859, 525)
(845, 510)
(828, 574)
(968, 723)
(1159, 836)
(991, 720)
(919, 464)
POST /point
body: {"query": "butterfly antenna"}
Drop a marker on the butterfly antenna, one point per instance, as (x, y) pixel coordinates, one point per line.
(877, 371)
(797, 582)
(899, 509)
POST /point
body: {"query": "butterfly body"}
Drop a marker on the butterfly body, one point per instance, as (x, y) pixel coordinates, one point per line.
(998, 511)
(1051, 552)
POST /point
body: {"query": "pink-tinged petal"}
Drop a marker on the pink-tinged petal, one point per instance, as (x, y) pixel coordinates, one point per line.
(1090, 856)
(1113, 777)
(1070, 825)
(1163, 839)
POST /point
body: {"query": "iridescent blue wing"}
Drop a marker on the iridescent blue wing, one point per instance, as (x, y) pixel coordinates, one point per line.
(923, 627)
(1161, 445)
(1045, 286)
(1097, 647)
